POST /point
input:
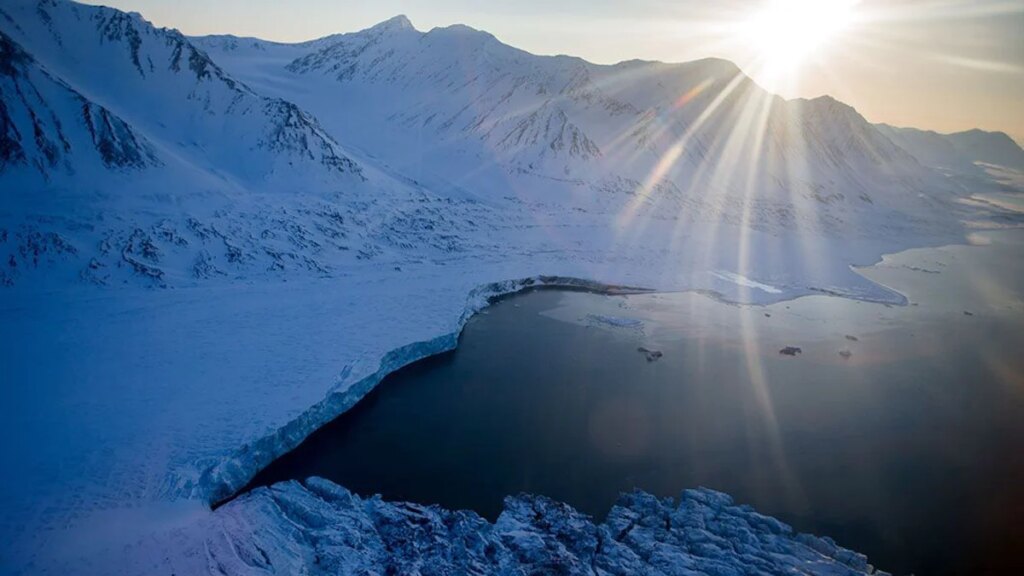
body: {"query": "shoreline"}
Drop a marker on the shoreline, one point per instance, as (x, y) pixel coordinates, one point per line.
(226, 480)
(223, 482)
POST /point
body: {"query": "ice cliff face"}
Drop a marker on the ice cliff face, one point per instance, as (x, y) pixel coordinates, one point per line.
(320, 528)
(224, 479)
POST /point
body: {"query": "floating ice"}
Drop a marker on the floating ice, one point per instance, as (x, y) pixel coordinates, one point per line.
(741, 280)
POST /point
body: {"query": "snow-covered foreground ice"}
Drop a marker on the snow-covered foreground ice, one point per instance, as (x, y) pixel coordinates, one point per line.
(321, 528)
(120, 403)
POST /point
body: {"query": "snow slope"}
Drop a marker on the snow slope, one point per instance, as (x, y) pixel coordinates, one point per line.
(37, 104)
(210, 247)
(932, 149)
(989, 147)
(159, 83)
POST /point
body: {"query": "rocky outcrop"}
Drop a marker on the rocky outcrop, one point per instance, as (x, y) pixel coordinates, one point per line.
(651, 355)
(43, 121)
(163, 89)
(318, 527)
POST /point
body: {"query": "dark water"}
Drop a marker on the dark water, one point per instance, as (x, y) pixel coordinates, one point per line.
(910, 449)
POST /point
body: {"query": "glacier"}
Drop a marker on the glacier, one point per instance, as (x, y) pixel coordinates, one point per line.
(211, 246)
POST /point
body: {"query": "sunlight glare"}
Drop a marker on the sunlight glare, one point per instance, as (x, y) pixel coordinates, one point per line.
(786, 32)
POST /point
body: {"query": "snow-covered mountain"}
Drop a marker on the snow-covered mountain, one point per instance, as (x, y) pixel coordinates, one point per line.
(162, 86)
(959, 153)
(697, 142)
(989, 147)
(229, 43)
(932, 149)
(458, 100)
(129, 156)
(228, 157)
(49, 126)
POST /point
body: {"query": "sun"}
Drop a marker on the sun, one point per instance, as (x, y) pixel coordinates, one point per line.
(786, 33)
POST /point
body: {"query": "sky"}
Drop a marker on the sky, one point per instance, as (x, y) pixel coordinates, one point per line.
(943, 65)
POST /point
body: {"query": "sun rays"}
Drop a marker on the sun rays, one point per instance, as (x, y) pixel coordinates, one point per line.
(730, 145)
(721, 154)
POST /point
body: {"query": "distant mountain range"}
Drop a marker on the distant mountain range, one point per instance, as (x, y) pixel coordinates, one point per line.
(960, 152)
(470, 100)
(130, 153)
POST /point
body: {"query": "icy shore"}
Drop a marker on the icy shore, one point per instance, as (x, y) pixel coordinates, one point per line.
(228, 476)
(107, 464)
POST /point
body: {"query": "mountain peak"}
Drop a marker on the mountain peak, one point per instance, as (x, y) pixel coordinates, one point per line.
(829, 103)
(461, 29)
(979, 133)
(400, 22)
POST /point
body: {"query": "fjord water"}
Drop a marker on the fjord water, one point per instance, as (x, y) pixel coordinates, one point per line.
(898, 431)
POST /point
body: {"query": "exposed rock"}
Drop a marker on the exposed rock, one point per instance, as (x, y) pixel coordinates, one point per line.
(651, 355)
(790, 351)
(321, 528)
(116, 141)
(845, 353)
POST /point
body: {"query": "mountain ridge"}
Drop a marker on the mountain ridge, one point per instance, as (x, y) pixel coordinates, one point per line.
(260, 149)
(958, 151)
(544, 115)
(401, 21)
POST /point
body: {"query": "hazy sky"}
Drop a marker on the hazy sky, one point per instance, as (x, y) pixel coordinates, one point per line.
(943, 65)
